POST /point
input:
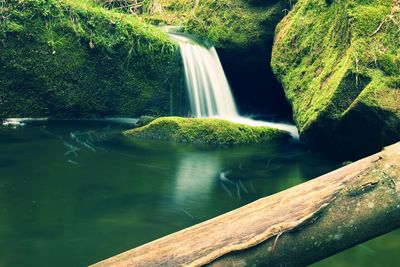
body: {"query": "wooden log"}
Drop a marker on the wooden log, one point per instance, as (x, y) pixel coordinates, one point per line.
(295, 227)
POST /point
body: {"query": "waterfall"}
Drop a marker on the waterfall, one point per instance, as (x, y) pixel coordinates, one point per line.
(208, 89)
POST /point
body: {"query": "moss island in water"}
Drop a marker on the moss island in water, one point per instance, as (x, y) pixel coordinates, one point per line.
(205, 131)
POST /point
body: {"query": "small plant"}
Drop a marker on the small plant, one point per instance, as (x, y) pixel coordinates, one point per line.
(393, 16)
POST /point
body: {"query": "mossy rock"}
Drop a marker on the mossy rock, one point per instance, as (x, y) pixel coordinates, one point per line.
(205, 131)
(239, 28)
(70, 58)
(339, 63)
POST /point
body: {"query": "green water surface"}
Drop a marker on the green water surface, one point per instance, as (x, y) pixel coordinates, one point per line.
(75, 192)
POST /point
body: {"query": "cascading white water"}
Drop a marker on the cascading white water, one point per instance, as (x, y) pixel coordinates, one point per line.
(208, 88)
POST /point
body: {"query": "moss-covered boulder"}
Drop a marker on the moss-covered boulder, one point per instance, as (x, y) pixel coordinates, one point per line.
(205, 131)
(71, 58)
(339, 63)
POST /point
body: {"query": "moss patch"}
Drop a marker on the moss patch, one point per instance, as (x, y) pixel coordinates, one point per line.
(339, 61)
(70, 58)
(205, 131)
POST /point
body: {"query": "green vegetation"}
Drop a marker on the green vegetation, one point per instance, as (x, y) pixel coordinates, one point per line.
(239, 28)
(205, 131)
(339, 63)
(70, 58)
(226, 23)
(229, 24)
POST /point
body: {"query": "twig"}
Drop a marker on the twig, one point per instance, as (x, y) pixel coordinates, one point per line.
(276, 240)
(380, 26)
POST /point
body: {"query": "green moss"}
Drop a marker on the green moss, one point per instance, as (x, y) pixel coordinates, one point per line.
(69, 58)
(239, 28)
(205, 131)
(389, 64)
(227, 23)
(13, 27)
(338, 59)
(394, 82)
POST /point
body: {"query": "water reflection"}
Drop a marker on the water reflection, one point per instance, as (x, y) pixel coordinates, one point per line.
(379, 252)
(195, 179)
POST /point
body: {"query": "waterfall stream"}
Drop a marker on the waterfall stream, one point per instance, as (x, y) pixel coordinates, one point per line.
(208, 89)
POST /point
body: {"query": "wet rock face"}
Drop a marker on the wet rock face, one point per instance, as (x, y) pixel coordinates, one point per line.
(339, 64)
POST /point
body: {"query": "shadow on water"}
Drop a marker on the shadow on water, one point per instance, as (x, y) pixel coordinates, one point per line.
(73, 193)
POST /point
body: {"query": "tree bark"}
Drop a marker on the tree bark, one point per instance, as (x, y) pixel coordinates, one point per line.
(295, 227)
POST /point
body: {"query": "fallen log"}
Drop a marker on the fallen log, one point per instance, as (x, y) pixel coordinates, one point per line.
(295, 227)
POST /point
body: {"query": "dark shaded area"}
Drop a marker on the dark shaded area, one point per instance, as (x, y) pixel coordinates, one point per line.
(263, 3)
(254, 85)
(349, 89)
(361, 132)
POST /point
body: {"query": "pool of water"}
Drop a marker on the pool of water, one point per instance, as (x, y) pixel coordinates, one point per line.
(75, 192)
(382, 251)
